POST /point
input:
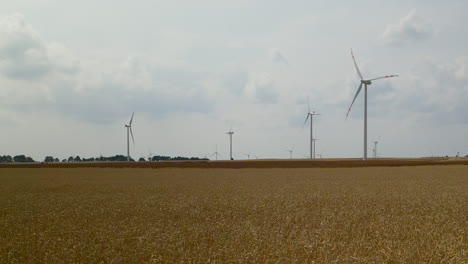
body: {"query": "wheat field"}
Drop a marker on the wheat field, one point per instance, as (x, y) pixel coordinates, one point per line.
(320, 215)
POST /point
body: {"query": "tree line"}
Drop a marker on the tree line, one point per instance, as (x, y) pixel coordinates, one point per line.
(17, 158)
(23, 158)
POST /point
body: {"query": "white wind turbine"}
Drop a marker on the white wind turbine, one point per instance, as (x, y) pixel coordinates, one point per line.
(365, 82)
(129, 132)
(216, 153)
(311, 115)
(375, 149)
(290, 153)
(247, 155)
(150, 154)
(230, 133)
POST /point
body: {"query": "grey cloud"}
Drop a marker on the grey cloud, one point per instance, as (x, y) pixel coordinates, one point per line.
(136, 86)
(411, 28)
(236, 82)
(25, 56)
(119, 91)
(265, 94)
(261, 88)
(436, 91)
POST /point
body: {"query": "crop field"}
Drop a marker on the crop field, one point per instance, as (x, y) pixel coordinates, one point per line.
(409, 214)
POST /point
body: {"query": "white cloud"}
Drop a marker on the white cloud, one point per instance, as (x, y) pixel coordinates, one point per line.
(411, 28)
(435, 90)
(24, 55)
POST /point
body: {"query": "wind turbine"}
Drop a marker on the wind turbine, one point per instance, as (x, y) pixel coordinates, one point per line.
(129, 131)
(365, 82)
(290, 153)
(230, 133)
(150, 154)
(247, 154)
(375, 149)
(311, 115)
(216, 153)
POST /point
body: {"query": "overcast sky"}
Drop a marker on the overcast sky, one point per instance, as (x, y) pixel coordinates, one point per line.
(72, 73)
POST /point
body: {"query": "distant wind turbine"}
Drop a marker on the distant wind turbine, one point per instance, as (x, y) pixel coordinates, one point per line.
(150, 155)
(230, 133)
(365, 82)
(247, 154)
(375, 149)
(216, 153)
(290, 153)
(129, 132)
(311, 115)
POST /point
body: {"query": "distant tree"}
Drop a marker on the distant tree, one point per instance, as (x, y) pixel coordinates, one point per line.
(71, 159)
(56, 160)
(142, 159)
(22, 158)
(49, 159)
(77, 159)
(180, 158)
(158, 158)
(119, 158)
(19, 158)
(6, 158)
(64, 160)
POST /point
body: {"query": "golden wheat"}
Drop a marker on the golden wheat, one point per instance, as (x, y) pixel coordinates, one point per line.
(354, 215)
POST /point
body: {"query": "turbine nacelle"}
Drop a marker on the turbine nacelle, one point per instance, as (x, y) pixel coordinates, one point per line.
(367, 82)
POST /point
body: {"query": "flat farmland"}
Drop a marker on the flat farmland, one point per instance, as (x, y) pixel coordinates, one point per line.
(415, 214)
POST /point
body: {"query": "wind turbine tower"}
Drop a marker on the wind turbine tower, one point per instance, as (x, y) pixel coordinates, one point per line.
(314, 142)
(311, 115)
(364, 82)
(129, 132)
(230, 133)
(375, 149)
(290, 153)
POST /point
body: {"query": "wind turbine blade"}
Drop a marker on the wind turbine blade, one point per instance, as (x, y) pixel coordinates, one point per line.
(131, 119)
(308, 104)
(307, 118)
(131, 133)
(355, 64)
(383, 77)
(357, 93)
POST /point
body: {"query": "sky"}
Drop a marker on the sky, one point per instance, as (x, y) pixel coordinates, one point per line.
(73, 72)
